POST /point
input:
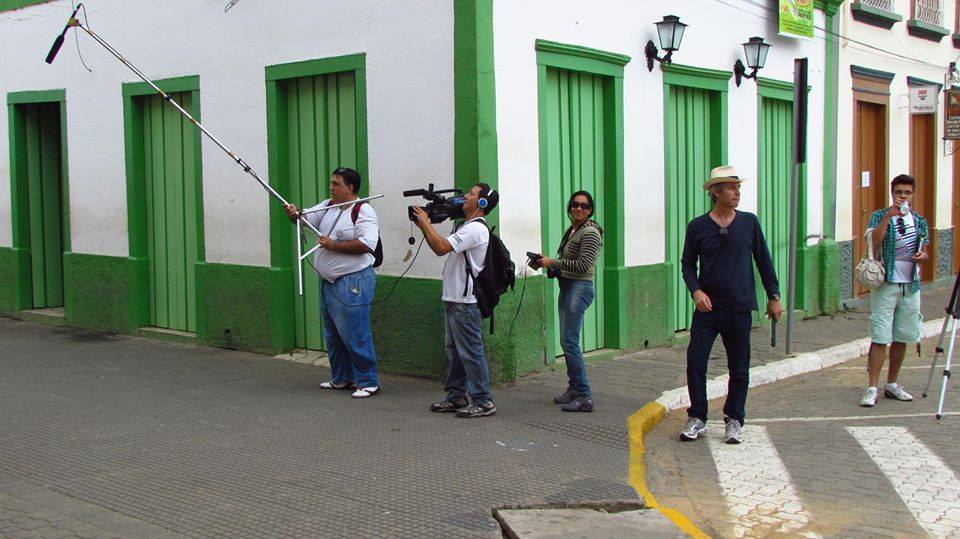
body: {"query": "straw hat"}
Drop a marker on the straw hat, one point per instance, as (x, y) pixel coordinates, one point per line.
(724, 174)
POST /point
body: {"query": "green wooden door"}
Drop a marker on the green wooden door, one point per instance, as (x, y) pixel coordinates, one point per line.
(41, 151)
(173, 201)
(321, 130)
(693, 147)
(575, 138)
(774, 174)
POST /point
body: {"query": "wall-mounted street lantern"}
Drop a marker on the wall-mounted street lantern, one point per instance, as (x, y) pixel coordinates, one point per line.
(670, 30)
(756, 52)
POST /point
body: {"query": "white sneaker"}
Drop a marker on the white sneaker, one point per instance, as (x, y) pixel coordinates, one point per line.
(869, 397)
(895, 391)
(733, 432)
(364, 392)
(694, 428)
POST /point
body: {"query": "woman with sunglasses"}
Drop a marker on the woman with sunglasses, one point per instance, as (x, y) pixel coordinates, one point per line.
(574, 267)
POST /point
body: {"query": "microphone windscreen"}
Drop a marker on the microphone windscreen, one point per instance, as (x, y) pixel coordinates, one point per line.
(57, 43)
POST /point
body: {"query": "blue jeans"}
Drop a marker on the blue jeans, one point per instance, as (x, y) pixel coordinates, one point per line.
(468, 365)
(345, 306)
(734, 329)
(575, 297)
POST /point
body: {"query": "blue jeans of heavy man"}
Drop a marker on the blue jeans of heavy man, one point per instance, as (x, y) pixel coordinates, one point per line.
(575, 297)
(734, 329)
(468, 364)
(345, 306)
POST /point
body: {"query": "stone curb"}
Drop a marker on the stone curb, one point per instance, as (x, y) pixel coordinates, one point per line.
(644, 420)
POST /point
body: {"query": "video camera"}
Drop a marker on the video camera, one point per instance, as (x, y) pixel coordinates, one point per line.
(440, 208)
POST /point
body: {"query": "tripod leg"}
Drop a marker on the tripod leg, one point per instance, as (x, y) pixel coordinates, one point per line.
(946, 368)
(937, 351)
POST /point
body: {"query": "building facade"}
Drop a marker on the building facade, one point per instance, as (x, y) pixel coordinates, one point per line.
(116, 214)
(888, 48)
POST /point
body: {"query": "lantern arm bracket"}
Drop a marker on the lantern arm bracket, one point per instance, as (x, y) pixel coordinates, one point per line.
(651, 52)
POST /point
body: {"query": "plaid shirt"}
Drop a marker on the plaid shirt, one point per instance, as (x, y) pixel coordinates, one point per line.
(890, 243)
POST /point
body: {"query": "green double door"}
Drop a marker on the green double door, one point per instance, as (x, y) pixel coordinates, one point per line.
(173, 205)
(575, 139)
(693, 128)
(321, 134)
(774, 174)
(40, 154)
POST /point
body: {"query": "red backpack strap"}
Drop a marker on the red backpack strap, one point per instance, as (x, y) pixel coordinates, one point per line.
(355, 212)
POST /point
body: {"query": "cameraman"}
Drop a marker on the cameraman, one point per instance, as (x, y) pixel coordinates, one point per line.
(344, 262)
(461, 316)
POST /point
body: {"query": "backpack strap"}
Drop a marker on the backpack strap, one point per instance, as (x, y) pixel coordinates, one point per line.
(466, 259)
(355, 212)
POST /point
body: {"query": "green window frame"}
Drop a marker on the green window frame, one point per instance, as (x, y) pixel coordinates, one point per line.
(20, 221)
(136, 191)
(282, 272)
(609, 64)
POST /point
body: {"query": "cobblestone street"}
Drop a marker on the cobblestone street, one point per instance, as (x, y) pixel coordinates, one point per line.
(814, 462)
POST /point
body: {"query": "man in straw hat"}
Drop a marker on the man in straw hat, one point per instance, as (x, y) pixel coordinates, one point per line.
(724, 292)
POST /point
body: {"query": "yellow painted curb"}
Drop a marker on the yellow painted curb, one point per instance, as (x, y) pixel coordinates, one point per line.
(638, 424)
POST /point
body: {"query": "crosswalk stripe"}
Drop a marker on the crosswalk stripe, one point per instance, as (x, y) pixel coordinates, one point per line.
(926, 485)
(756, 484)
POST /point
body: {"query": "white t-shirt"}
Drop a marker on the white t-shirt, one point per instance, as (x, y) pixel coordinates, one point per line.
(904, 248)
(469, 240)
(338, 224)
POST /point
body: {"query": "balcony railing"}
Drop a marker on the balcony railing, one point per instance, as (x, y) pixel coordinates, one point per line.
(886, 5)
(928, 11)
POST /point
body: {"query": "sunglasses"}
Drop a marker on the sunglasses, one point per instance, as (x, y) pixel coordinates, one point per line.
(582, 205)
(901, 227)
(724, 235)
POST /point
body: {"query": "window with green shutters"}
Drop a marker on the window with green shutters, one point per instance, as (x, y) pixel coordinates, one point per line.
(774, 175)
(692, 140)
(575, 137)
(172, 187)
(39, 152)
(321, 132)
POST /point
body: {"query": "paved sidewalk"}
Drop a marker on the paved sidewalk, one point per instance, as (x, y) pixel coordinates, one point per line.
(200, 441)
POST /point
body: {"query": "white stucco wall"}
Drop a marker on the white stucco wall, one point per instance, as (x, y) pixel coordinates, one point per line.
(409, 69)
(926, 60)
(713, 40)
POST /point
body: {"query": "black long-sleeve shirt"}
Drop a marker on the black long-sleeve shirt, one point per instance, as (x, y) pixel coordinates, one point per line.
(726, 271)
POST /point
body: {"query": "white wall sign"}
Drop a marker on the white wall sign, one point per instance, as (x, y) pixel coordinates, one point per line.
(865, 178)
(923, 99)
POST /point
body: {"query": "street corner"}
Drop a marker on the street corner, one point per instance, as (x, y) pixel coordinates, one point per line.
(813, 462)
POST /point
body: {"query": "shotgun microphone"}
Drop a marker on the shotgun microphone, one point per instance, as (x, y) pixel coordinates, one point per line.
(57, 43)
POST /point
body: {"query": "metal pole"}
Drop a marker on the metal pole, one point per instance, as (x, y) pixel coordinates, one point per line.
(792, 261)
(332, 206)
(799, 157)
(234, 156)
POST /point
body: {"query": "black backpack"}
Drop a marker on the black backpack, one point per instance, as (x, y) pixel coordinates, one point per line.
(378, 252)
(497, 275)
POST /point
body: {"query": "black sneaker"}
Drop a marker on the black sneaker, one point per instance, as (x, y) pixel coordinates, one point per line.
(481, 409)
(579, 404)
(449, 406)
(566, 397)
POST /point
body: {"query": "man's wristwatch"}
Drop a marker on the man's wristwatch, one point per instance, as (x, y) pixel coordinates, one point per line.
(774, 297)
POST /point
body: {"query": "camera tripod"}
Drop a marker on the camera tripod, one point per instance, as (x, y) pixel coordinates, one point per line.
(953, 315)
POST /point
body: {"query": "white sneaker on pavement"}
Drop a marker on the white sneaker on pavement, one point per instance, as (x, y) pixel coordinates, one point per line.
(869, 397)
(733, 432)
(896, 391)
(694, 428)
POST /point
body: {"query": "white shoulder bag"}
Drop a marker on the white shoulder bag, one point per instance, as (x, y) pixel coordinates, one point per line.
(870, 272)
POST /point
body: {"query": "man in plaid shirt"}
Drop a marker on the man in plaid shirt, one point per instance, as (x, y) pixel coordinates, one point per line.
(899, 235)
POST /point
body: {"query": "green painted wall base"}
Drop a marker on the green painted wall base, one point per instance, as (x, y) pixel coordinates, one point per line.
(646, 309)
(821, 278)
(101, 292)
(234, 308)
(8, 280)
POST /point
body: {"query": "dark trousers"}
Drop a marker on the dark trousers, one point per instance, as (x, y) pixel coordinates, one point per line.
(734, 329)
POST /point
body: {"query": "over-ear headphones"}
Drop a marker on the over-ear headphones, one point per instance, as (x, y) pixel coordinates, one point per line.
(482, 201)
